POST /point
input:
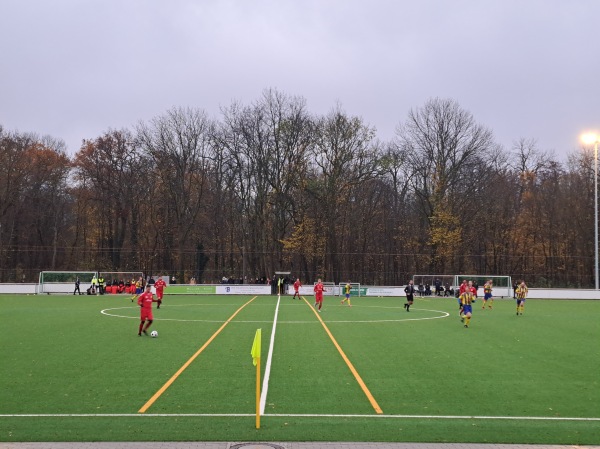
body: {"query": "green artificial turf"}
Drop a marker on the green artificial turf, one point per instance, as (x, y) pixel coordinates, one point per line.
(88, 373)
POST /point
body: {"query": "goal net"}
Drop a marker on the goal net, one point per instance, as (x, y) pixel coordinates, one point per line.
(354, 289)
(426, 284)
(330, 288)
(502, 285)
(64, 281)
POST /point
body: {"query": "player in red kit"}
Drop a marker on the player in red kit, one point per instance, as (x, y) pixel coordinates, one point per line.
(297, 286)
(159, 285)
(145, 301)
(319, 289)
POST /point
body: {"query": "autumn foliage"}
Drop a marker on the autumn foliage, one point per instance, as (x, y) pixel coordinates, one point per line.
(270, 186)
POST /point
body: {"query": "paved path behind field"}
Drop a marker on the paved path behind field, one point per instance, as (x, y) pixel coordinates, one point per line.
(287, 445)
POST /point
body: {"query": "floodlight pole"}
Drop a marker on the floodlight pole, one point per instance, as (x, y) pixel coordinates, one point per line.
(596, 212)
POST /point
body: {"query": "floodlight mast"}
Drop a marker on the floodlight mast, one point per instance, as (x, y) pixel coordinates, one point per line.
(593, 138)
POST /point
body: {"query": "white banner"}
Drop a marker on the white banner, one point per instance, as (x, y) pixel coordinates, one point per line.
(29, 289)
(243, 289)
(385, 291)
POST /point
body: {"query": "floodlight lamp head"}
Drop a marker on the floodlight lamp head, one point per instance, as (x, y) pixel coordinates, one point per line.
(590, 138)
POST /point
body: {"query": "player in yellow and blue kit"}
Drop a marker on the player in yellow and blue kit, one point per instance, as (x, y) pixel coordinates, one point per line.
(521, 295)
(467, 299)
(487, 294)
(347, 289)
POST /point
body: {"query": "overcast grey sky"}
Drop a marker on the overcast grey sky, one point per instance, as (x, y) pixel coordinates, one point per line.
(523, 68)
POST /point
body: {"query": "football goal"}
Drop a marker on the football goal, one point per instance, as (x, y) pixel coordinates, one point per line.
(330, 289)
(354, 289)
(426, 284)
(502, 285)
(63, 281)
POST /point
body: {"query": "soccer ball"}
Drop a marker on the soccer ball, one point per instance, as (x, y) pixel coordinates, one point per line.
(154, 334)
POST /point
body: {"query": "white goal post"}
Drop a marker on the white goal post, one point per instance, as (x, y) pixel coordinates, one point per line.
(330, 288)
(501, 285)
(354, 289)
(425, 284)
(63, 281)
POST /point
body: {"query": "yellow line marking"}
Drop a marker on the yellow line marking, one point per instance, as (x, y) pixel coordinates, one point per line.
(153, 399)
(364, 387)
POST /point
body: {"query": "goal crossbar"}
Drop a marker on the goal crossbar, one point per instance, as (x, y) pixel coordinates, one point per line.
(501, 285)
(63, 281)
(330, 289)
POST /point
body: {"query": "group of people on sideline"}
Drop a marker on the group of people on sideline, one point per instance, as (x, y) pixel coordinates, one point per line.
(98, 285)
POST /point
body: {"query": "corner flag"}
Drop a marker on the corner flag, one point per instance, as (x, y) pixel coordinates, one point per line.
(256, 361)
(256, 347)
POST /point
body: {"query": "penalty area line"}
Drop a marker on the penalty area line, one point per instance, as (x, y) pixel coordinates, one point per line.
(265, 385)
(173, 378)
(294, 415)
(349, 364)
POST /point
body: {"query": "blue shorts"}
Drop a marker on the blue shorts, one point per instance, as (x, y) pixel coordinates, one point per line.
(467, 309)
(347, 295)
(520, 300)
(487, 296)
(138, 291)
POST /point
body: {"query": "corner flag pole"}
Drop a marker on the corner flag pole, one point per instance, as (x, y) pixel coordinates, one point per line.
(256, 361)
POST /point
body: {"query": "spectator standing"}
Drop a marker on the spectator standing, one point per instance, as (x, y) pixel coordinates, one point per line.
(101, 284)
(95, 284)
(77, 282)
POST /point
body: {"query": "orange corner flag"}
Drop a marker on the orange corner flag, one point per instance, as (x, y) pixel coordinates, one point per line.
(256, 347)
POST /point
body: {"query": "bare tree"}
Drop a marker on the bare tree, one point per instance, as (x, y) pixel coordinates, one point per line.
(178, 142)
(110, 174)
(344, 157)
(449, 153)
(33, 201)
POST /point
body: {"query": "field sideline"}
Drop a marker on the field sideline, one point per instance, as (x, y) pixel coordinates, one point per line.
(75, 370)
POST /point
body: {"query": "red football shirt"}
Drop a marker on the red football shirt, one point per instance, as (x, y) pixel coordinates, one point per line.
(159, 285)
(319, 291)
(297, 285)
(145, 300)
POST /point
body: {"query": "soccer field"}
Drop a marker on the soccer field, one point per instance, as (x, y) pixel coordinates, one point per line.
(74, 369)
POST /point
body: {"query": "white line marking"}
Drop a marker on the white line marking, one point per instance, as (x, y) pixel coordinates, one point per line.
(156, 318)
(292, 415)
(265, 387)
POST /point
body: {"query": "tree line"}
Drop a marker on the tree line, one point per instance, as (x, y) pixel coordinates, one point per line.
(269, 186)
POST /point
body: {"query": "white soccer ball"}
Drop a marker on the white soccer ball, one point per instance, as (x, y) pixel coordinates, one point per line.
(154, 334)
